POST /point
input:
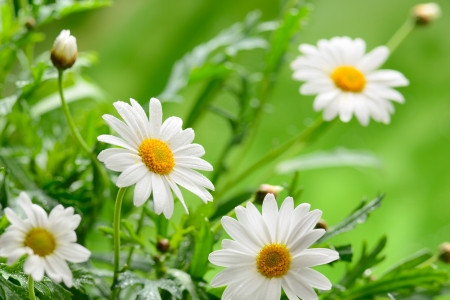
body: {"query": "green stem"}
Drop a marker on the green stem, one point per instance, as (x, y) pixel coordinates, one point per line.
(400, 35)
(302, 137)
(66, 111)
(138, 230)
(429, 261)
(31, 288)
(117, 208)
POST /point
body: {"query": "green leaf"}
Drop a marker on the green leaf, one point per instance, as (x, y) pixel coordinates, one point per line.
(357, 217)
(65, 8)
(185, 282)
(204, 241)
(365, 262)
(282, 37)
(340, 157)
(6, 104)
(82, 277)
(149, 289)
(345, 252)
(410, 262)
(405, 283)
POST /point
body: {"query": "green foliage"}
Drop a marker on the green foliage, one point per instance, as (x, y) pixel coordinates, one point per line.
(357, 217)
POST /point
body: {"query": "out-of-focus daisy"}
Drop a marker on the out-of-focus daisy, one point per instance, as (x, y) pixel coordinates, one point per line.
(48, 240)
(157, 158)
(269, 252)
(346, 80)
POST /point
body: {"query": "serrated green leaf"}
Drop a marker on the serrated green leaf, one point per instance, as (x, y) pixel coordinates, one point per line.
(185, 282)
(403, 283)
(82, 277)
(410, 262)
(357, 217)
(365, 262)
(345, 252)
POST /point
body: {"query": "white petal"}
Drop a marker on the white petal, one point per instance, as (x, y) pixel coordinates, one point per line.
(303, 225)
(386, 92)
(374, 59)
(155, 116)
(132, 175)
(193, 176)
(105, 154)
(314, 279)
(233, 274)
(299, 287)
(181, 139)
(229, 258)
(284, 220)
(190, 150)
(114, 140)
(362, 111)
(176, 191)
(331, 111)
(388, 77)
(169, 205)
(142, 190)
(121, 162)
(170, 128)
(15, 220)
(240, 234)
(270, 213)
(313, 257)
(259, 225)
(193, 163)
(160, 196)
(73, 252)
(127, 113)
(317, 86)
(182, 180)
(122, 129)
(345, 107)
(141, 118)
(274, 289)
(306, 240)
(324, 99)
(34, 266)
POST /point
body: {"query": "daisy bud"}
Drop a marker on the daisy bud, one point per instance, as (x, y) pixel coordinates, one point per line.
(426, 13)
(321, 225)
(64, 51)
(30, 23)
(163, 245)
(444, 253)
(265, 189)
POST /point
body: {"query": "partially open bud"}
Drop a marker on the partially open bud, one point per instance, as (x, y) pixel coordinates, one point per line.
(426, 13)
(64, 51)
(265, 189)
(444, 253)
(163, 245)
(321, 225)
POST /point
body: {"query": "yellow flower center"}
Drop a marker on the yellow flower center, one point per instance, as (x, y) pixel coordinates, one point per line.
(274, 260)
(349, 79)
(157, 156)
(40, 241)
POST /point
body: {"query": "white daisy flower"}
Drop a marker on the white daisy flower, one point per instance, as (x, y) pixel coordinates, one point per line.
(48, 240)
(269, 252)
(346, 81)
(155, 157)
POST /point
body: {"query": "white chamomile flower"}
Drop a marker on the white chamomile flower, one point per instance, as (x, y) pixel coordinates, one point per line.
(157, 158)
(346, 80)
(269, 252)
(64, 51)
(48, 240)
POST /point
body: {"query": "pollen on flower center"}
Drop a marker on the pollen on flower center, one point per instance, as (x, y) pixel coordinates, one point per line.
(157, 156)
(274, 260)
(40, 241)
(349, 79)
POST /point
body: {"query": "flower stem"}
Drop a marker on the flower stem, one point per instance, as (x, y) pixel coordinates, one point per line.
(31, 288)
(117, 208)
(138, 230)
(302, 137)
(66, 111)
(400, 35)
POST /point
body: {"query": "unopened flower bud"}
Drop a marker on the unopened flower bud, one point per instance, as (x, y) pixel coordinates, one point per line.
(265, 189)
(426, 13)
(163, 245)
(444, 253)
(30, 23)
(64, 51)
(321, 225)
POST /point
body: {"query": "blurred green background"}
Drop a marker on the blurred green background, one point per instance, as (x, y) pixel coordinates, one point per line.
(138, 42)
